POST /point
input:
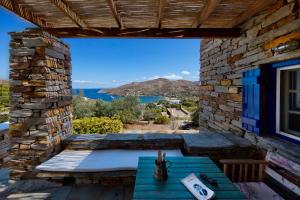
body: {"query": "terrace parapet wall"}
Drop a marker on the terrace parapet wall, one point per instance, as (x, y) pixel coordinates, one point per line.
(40, 99)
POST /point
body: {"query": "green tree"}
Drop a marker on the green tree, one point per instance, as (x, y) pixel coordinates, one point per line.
(162, 120)
(151, 106)
(126, 116)
(164, 103)
(190, 105)
(83, 107)
(103, 109)
(128, 109)
(195, 117)
(129, 105)
(151, 114)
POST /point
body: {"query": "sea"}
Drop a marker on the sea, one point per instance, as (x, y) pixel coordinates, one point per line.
(95, 94)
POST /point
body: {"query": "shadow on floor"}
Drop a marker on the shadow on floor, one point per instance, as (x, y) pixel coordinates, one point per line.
(42, 190)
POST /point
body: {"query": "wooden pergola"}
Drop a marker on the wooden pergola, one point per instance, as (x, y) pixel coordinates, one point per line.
(138, 18)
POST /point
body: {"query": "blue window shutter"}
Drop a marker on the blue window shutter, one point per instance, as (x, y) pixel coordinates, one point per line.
(251, 101)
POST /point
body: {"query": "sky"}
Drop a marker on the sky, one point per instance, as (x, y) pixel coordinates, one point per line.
(104, 63)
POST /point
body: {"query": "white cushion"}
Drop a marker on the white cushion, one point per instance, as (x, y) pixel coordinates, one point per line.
(99, 160)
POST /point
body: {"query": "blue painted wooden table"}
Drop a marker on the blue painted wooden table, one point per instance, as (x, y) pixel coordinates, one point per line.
(147, 187)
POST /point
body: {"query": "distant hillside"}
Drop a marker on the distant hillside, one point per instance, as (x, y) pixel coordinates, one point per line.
(158, 87)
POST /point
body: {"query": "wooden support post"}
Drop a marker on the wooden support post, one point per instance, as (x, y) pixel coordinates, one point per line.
(253, 172)
(233, 172)
(246, 172)
(261, 172)
(225, 169)
(241, 173)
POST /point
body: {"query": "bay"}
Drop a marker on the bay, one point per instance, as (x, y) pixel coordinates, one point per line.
(94, 94)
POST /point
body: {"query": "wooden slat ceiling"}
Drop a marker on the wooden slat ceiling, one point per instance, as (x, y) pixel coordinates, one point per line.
(160, 15)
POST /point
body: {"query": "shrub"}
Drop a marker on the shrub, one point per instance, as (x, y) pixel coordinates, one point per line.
(128, 109)
(126, 116)
(151, 106)
(162, 120)
(190, 105)
(103, 109)
(99, 125)
(83, 107)
(151, 114)
(195, 117)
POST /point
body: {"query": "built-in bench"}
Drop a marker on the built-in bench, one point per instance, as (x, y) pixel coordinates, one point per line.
(112, 158)
(90, 166)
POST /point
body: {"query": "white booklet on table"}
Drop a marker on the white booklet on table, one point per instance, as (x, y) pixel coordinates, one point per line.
(197, 188)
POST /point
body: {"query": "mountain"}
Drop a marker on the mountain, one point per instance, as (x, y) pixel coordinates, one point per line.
(158, 87)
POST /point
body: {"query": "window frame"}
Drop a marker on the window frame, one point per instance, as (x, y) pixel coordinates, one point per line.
(278, 95)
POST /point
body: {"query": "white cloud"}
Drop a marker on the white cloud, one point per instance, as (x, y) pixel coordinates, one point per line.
(168, 76)
(81, 81)
(114, 81)
(173, 76)
(185, 72)
(86, 82)
(154, 77)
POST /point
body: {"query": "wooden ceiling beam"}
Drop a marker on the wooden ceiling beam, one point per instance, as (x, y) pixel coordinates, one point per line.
(115, 13)
(161, 9)
(258, 6)
(144, 33)
(204, 13)
(24, 12)
(69, 12)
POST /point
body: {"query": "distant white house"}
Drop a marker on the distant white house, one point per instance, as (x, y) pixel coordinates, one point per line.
(173, 100)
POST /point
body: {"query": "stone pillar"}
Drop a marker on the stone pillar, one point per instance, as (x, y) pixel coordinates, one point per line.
(40, 99)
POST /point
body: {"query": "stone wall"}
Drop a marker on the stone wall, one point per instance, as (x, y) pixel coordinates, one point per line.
(40, 99)
(223, 61)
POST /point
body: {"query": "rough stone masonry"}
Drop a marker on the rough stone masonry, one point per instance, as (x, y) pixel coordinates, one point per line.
(40, 104)
(223, 61)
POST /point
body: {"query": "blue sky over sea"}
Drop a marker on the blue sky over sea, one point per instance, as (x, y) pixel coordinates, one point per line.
(103, 63)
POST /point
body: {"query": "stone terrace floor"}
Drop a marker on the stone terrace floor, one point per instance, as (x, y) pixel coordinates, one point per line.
(42, 190)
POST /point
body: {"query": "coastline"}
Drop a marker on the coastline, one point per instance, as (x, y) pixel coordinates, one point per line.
(95, 93)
